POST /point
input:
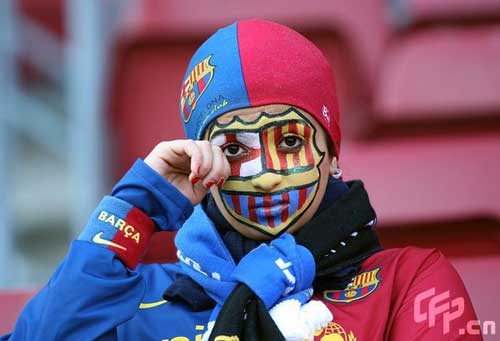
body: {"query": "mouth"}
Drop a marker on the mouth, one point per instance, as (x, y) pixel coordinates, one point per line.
(265, 212)
(270, 201)
(268, 209)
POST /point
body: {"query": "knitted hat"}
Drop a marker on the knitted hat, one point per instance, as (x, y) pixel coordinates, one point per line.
(252, 63)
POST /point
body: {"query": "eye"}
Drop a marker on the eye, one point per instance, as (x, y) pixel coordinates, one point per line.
(290, 143)
(233, 150)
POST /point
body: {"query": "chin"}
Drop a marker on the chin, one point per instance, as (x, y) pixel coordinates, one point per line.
(254, 234)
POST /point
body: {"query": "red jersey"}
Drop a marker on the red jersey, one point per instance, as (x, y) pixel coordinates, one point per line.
(401, 294)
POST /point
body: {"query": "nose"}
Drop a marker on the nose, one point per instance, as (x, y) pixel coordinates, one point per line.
(267, 182)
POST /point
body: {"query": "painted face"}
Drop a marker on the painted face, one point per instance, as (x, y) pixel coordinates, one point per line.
(275, 172)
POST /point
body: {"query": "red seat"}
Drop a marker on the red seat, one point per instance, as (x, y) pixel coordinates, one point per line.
(47, 13)
(437, 110)
(13, 302)
(441, 74)
(433, 11)
(415, 180)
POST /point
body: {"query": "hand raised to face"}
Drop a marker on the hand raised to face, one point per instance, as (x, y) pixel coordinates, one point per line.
(191, 166)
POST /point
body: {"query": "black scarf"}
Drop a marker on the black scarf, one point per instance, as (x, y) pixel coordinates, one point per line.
(339, 239)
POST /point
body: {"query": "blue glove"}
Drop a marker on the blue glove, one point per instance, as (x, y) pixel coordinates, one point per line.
(276, 270)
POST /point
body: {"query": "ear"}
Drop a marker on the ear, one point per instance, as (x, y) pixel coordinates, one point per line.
(333, 165)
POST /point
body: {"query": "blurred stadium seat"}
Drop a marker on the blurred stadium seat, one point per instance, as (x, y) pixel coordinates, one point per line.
(437, 110)
(13, 302)
(428, 179)
(441, 62)
(48, 13)
(440, 74)
(416, 12)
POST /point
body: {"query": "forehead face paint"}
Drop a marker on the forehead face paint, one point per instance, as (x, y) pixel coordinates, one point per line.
(271, 145)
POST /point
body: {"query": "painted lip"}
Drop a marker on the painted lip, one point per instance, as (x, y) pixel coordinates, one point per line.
(273, 202)
(269, 210)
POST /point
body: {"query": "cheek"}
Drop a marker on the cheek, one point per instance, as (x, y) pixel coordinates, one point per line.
(324, 167)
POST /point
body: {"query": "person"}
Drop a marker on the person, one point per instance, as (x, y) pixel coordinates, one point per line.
(272, 243)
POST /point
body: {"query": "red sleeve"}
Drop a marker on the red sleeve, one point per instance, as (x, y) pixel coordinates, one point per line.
(436, 305)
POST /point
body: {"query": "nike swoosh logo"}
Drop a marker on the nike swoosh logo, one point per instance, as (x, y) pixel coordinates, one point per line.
(98, 240)
(152, 304)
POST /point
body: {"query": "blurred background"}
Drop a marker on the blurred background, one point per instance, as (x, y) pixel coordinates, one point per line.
(88, 86)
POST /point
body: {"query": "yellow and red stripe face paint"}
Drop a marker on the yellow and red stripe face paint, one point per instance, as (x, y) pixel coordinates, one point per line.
(271, 212)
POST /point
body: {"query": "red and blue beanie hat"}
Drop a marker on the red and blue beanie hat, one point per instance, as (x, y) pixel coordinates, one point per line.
(252, 63)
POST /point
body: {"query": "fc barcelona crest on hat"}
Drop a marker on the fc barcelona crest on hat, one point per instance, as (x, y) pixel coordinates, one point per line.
(194, 86)
(361, 286)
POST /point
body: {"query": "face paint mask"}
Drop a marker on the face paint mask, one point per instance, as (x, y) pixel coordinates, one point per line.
(275, 173)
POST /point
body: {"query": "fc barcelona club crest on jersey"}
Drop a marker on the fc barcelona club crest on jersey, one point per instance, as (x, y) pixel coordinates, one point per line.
(195, 85)
(361, 286)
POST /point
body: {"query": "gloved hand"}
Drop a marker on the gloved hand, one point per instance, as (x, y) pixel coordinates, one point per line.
(276, 270)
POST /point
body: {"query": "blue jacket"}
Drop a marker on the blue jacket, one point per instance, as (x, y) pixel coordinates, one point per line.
(93, 295)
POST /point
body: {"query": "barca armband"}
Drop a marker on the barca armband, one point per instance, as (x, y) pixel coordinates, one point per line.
(120, 227)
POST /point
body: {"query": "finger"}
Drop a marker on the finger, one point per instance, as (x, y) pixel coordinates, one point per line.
(194, 152)
(206, 164)
(216, 175)
(227, 165)
(173, 152)
(226, 170)
(167, 156)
